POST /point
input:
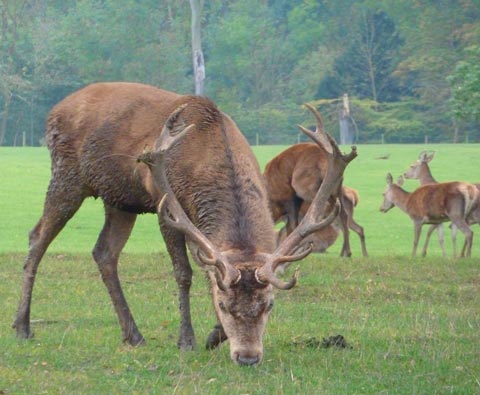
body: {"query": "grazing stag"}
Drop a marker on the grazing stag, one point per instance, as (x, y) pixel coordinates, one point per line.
(420, 170)
(433, 204)
(202, 180)
(325, 237)
(294, 176)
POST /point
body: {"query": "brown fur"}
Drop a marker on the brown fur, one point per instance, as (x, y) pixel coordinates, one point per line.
(434, 204)
(292, 178)
(420, 170)
(94, 136)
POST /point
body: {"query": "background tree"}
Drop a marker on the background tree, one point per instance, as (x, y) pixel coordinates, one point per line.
(366, 68)
(197, 53)
(465, 82)
(265, 59)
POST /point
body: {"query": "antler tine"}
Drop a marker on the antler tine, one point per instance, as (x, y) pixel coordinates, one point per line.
(172, 213)
(337, 162)
(319, 136)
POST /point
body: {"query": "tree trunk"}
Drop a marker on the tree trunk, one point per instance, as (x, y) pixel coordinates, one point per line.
(346, 134)
(455, 131)
(197, 53)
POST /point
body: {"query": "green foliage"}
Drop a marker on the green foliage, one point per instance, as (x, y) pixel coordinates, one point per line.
(365, 69)
(466, 85)
(263, 59)
(393, 121)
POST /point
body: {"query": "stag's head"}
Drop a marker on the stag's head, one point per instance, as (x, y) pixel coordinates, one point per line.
(388, 194)
(415, 169)
(243, 280)
(242, 308)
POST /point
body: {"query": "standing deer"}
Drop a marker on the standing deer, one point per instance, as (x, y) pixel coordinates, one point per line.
(433, 204)
(205, 185)
(420, 170)
(294, 176)
(325, 237)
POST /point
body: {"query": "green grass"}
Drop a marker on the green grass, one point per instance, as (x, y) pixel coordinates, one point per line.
(26, 172)
(413, 325)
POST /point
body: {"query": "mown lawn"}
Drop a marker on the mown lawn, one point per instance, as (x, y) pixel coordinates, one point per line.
(412, 325)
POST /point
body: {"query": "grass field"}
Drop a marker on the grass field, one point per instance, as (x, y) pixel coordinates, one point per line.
(413, 324)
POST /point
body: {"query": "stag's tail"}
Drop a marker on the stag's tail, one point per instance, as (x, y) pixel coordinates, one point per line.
(471, 198)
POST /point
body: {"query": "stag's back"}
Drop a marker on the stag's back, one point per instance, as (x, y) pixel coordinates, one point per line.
(438, 201)
(95, 134)
(216, 178)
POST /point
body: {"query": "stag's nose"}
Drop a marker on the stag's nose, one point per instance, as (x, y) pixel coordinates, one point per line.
(248, 360)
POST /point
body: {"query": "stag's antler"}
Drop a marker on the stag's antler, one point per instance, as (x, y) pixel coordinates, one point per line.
(171, 211)
(337, 162)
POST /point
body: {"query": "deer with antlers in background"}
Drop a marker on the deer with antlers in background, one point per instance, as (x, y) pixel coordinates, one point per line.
(433, 204)
(293, 178)
(420, 170)
(203, 181)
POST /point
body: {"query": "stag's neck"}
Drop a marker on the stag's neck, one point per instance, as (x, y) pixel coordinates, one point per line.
(400, 198)
(426, 175)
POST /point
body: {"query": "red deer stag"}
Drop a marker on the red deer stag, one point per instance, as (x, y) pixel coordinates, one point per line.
(420, 170)
(433, 204)
(325, 237)
(294, 176)
(204, 183)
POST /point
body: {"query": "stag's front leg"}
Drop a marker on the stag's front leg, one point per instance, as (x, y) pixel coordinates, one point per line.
(112, 239)
(431, 229)
(175, 242)
(216, 337)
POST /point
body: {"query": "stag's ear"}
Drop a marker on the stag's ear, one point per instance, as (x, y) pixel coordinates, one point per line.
(423, 156)
(430, 157)
(400, 181)
(389, 179)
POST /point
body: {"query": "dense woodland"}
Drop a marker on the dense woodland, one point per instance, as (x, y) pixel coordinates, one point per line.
(411, 68)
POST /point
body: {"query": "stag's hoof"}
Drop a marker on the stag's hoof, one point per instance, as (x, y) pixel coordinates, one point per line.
(186, 344)
(135, 340)
(216, 337)
(23, 331)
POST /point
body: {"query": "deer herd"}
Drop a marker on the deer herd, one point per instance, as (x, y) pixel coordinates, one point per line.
(146, 150)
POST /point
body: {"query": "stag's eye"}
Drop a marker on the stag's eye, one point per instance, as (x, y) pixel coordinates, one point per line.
(269, 306)
(222, 307)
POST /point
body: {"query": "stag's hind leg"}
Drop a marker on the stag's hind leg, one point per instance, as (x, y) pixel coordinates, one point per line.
(175, 242)
(346, 250)
(292, 209)
(115, 233)
(62, 202)
(347, 204)
(463, 226)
